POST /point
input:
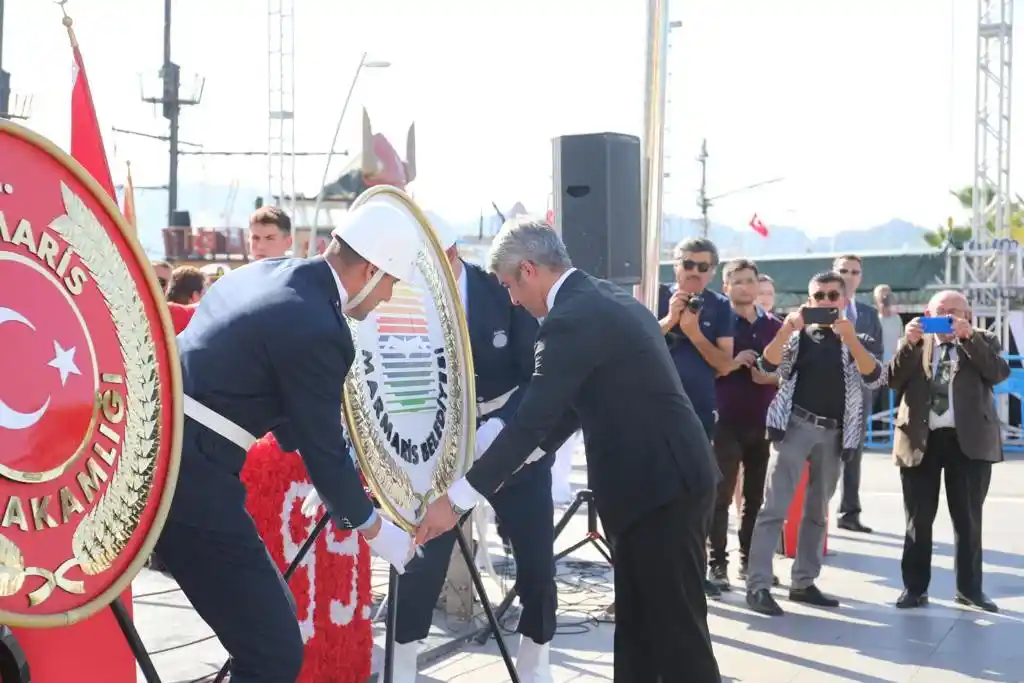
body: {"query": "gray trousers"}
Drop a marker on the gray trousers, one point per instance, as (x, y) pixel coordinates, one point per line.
(805, 442)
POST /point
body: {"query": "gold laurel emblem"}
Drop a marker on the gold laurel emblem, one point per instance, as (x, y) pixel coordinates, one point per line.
(106, 530)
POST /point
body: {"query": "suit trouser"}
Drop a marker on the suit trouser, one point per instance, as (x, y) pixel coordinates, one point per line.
(849, 501)
(804, 443)
(967, 484)
(235, 587)
(733, 446)
(661, 612)
(526, 512)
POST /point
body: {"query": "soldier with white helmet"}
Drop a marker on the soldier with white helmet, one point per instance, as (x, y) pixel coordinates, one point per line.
(268, 351)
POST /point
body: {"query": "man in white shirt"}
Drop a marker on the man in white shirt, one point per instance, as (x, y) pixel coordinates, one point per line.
(601, 363)
(949, 423)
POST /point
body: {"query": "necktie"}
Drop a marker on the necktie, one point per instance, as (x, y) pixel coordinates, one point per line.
(851, 312)
(940, 380)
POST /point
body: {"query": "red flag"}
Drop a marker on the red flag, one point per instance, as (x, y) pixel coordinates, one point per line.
(758, 226)
(86, 139)
(129, 201)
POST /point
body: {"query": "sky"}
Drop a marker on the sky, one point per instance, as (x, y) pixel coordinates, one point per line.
(865, 109)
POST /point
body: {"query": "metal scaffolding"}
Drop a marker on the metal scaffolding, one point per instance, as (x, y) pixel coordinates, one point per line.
(281, 104)
(988, 267)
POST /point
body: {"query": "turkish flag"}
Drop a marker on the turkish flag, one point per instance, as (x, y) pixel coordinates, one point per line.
(86, 140)
(128, 210)
(758, 226)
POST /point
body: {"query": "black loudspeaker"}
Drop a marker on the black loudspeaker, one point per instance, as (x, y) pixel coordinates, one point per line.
(598, 204)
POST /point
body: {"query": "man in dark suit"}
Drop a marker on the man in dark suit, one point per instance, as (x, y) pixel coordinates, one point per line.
(267, 351)
(946, 421)
(866, 322)
(601, 363)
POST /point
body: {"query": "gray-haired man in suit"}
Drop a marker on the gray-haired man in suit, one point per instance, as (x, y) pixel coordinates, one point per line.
(865, 321)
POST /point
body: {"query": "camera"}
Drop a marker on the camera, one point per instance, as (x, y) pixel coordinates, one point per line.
(695, 303)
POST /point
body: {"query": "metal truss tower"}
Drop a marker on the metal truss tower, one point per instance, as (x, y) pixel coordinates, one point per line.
(990, 265)
(281, 104)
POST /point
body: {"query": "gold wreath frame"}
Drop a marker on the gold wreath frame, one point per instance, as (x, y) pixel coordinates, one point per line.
(177, 417)
(462, 329)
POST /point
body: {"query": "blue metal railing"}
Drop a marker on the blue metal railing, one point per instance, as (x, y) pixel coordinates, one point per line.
(1013, 438)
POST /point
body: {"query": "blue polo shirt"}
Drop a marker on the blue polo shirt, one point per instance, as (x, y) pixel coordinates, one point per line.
(716, 321)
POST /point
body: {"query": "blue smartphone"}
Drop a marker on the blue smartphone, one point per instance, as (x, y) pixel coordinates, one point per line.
(940, 325)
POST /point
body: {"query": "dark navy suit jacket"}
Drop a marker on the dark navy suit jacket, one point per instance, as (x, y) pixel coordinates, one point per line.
(268, 348)
(502, 337)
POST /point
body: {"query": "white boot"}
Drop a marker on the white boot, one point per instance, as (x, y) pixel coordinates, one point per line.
(405, 662)
(532, 664)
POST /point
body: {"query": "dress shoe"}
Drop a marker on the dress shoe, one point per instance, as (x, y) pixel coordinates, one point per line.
(852, 523)
(762, 602)
(532, 663)
(980, 601)
(812, 596)
(711, 590)
(718, 575)
(909, 600)
(405, 662)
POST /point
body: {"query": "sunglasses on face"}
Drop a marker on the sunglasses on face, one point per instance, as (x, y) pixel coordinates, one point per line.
(848, 271)
(699, 266)
(821, 296)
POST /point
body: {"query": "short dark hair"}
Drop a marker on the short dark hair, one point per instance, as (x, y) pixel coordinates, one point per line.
(271, 215)
(849, 257)
(697, 245)
(344, 253)
(829, 277)
(738, 264)
(186, 282)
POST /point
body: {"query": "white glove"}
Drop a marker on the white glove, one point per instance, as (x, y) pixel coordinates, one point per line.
(311, 506)
(486, 434)
(392, 545)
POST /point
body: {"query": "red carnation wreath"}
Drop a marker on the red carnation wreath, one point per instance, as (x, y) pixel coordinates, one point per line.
(332, 585)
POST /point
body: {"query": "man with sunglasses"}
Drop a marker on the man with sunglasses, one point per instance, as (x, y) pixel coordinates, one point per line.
(698, 326)
(816, 418)
(866, 321)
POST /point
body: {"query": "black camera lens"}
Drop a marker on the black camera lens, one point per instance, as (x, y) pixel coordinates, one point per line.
(695, 304)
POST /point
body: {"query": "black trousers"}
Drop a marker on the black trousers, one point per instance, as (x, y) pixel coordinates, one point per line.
(735, 446)
(661, 613)
(967, 484)
(526, 512)
(235, 587)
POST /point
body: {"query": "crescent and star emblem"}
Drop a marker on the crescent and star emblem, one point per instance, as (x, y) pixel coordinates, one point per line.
(63, 361)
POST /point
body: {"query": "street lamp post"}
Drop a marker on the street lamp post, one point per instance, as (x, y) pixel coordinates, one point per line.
(364, 63)
(170, 98)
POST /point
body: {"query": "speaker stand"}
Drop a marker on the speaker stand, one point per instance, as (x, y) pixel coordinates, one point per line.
(593, 537)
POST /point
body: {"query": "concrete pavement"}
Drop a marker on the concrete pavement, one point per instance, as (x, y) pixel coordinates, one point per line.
(866, 640)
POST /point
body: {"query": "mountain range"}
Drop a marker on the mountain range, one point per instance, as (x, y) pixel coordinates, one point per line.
(211, 206)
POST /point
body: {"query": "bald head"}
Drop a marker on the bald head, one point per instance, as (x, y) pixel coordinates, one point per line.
(949, 302)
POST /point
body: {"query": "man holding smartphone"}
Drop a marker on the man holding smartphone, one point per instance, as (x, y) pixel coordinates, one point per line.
(944, 372)
(816, 418)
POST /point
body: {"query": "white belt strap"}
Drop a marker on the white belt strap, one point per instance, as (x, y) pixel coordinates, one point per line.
(218, 423)
(485, 408)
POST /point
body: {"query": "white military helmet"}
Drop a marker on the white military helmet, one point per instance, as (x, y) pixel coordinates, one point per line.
(445, 232)
(383, 233)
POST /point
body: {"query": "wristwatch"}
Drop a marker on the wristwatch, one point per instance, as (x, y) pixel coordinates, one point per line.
(459, 512)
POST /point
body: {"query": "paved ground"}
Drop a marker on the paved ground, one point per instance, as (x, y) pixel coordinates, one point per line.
(865, 641)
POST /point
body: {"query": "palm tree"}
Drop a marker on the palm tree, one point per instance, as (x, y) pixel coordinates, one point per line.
(958, 236)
